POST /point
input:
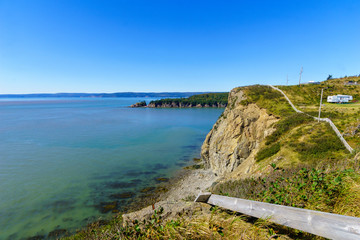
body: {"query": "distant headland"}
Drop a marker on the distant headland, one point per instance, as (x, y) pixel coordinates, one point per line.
(218, 100)
(105, 95)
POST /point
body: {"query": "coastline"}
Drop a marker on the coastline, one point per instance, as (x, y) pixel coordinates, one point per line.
(174, 195)
(183, 188)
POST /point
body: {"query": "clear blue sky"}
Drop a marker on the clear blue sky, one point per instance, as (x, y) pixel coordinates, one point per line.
(174, 45)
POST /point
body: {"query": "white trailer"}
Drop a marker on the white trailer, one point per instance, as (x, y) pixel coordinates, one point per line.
(339, 99)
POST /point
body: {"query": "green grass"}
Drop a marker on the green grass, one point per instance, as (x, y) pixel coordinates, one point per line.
(309, 94)
(344, 116)
(268, 151)
(308, 140)
(347, 105)
(285, 124)
(303, 187)
(332, 186)
(268, 98)
(316, 142)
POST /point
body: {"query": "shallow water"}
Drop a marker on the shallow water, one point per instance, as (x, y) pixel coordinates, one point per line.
(61, 158)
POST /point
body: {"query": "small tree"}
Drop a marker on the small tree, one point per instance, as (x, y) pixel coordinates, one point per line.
(329, 77)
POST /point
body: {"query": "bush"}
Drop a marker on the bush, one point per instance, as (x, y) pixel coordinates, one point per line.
(268, 151)
(315, 189)
(321, 143)
(286, 124)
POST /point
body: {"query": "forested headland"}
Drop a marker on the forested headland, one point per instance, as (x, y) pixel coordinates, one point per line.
(200, 100)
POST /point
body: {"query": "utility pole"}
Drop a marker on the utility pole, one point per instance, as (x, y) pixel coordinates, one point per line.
(300, 75)
(320, 104)
(287, 79)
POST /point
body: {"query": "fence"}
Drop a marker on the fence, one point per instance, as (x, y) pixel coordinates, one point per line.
(348, 147)
(333, 226)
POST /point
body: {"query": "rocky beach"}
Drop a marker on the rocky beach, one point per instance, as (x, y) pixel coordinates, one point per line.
(183, 189)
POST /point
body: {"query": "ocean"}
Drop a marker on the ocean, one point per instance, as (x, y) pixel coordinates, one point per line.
(63, 159)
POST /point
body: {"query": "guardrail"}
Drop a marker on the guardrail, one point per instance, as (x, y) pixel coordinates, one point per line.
(342, 139)
(328, 225)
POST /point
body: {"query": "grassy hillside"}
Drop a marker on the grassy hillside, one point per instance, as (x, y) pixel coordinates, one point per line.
(345, 116)
(332, 189)
(309, 94)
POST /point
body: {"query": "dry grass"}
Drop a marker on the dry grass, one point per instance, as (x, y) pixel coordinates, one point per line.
(214, 224)
(349, 200)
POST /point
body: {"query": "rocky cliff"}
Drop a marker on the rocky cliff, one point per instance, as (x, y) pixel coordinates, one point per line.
(235, 138)
(139, 104)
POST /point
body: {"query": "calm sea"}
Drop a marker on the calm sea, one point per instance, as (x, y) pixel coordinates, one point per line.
(60, 159)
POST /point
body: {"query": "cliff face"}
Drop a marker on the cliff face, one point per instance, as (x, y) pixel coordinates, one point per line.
(231, 145)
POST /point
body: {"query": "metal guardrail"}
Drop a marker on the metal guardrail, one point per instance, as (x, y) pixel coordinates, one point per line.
(342, 139)
(328, 225)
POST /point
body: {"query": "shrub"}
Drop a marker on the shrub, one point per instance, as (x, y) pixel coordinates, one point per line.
(268, 151)
(321, 143)
(302, 187)
(285, 125)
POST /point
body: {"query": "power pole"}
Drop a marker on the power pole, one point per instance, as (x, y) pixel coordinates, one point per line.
(301, 71)
(287, 79)
(320, 104)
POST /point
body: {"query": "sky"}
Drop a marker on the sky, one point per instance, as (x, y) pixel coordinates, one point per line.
(174, 45)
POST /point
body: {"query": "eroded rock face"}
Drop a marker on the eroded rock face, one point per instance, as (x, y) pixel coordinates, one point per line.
(236, 136)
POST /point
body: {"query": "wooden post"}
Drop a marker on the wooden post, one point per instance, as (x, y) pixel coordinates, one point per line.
(320, 104)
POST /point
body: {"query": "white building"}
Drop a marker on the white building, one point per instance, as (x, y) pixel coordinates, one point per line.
(313, 82)
(339, 99)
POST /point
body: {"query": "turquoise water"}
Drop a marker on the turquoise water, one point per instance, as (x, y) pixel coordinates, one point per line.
(62, 158)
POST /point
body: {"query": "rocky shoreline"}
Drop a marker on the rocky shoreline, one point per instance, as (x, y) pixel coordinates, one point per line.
(183, 188)
(174, 195)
